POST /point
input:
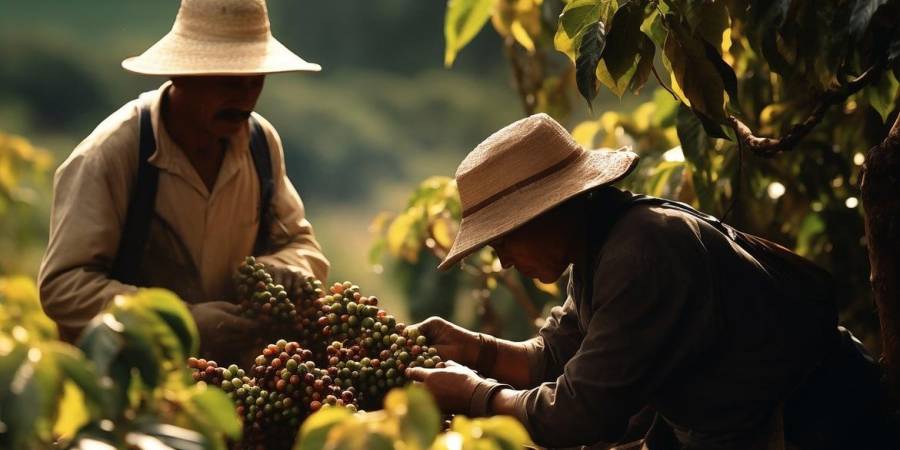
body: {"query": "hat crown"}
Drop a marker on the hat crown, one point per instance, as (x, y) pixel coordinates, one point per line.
(223, 20)
(513, 157)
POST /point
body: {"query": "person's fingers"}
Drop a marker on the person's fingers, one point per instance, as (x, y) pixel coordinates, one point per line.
(417, 373)
(228, 307)
(452, 363)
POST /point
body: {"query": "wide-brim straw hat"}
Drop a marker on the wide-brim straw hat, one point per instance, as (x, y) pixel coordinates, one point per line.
(522, 171)
(219, 37)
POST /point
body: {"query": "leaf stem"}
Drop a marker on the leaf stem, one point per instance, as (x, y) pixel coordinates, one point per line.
(660, 81)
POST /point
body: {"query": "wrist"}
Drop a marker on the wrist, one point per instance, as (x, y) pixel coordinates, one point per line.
(483, 396)
(486, 356)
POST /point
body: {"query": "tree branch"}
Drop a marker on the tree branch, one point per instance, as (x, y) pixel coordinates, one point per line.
(509, 44)
(769, 147)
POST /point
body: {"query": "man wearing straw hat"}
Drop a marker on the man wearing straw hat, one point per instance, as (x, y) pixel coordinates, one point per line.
(177, 186)
(722, 339)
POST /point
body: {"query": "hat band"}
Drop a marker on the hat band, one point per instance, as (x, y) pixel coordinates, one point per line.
(542, 174)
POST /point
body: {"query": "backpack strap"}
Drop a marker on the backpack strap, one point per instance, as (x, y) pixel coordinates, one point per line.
(262, 160)
(141, 206)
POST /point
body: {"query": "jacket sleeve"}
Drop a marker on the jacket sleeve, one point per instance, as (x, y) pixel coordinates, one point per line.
(90, 191)
(295, 243)
(641, 327)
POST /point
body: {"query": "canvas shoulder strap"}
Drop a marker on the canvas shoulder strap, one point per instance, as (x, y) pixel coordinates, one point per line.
(262, 160)
(798, 276)
(140, 207)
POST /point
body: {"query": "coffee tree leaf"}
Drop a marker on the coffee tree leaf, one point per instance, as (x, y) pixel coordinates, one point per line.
(577, 17)
(696, 75)
(590, 50)
(314, 431)
(464, 19)
(861, 16)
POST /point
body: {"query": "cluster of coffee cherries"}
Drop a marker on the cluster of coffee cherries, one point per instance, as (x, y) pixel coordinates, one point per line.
(260, 298)
(339, 350)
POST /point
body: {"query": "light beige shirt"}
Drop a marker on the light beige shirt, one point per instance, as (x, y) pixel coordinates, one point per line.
(197, 237)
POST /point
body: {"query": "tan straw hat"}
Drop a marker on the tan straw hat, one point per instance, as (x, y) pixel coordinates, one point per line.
(521, 171)
(218, 37)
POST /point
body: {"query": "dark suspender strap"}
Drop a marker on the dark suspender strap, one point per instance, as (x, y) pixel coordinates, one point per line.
(140, 209)
(262, 160)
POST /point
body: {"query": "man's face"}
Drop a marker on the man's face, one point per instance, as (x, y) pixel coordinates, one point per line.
(220, 105)
(536, 249)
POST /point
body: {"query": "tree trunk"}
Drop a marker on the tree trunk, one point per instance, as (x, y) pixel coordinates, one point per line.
(880, 186)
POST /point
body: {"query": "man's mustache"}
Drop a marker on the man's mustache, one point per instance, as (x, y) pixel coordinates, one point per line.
(233, 114)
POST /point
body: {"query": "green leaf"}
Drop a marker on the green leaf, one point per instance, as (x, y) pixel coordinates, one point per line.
(623, 40)
(654, 27)
(861, 16)
(592, 44)
(729, 79)
(644, 65)
(422, 419)
(698, 78)
(708, 20)
(507, 432)
(576, 17)
(464, 19)
(354, 435)
(12, 355)
(695, 145)
(175, 314)
(217, 409)
(33, 396)
(314, 431)
(83, 374)
(882, 96)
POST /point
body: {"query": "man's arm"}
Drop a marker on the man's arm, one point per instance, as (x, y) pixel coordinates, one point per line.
(296, 246)
(90, 197)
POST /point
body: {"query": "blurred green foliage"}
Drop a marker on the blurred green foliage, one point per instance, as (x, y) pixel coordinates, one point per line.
(125, 384)
(409, 421)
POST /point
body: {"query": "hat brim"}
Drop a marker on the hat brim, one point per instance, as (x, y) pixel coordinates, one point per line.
(591, 170)
(179, 55)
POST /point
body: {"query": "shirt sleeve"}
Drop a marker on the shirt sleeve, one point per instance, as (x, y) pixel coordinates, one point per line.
(90, 192)
(292, 234)
(641, 327)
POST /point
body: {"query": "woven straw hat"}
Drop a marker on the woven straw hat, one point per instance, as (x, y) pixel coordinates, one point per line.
(520, 172)
(218, 37)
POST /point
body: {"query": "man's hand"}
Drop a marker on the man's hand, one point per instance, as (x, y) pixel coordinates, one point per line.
(224, 334)
(451, 341)
(292, 281)
(457, 389)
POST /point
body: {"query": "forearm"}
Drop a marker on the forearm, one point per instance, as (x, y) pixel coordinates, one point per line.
(515, 363)
(72, 298)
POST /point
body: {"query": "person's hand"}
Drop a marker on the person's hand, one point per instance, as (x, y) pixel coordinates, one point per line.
(453, 386)
(451, 341)
(292, 281)
(224, 334)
